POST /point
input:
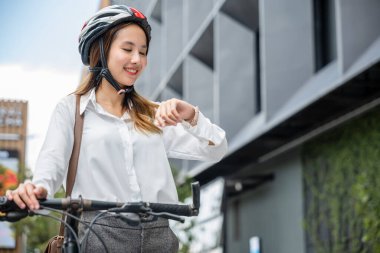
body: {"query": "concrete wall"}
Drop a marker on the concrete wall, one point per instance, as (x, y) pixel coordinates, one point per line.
(234, 66)
(199, 89)
(273, 211)
(286, 50)
(357, 28)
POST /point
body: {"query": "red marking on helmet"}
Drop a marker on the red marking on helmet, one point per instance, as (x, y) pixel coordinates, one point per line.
(137, 13)
(84, 25)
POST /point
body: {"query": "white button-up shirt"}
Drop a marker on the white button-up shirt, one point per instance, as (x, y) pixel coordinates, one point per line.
(116, 161)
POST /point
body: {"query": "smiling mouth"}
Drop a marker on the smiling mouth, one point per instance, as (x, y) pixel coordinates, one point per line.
(131, 71)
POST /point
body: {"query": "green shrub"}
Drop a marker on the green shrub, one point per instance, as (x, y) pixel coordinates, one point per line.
(342, 187)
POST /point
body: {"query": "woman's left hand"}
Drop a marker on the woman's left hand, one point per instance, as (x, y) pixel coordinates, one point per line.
(173, 111)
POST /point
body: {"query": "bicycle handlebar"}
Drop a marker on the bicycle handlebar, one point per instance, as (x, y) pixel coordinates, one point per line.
(9, 211)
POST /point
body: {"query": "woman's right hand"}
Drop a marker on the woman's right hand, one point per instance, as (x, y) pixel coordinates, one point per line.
(27, 195)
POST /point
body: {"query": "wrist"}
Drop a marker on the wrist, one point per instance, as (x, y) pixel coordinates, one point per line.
(194, 120)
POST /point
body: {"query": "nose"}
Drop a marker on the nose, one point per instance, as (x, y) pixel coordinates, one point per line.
(136, 58)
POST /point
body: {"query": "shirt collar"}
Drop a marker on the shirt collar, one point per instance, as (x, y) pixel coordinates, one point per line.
(85, 99)
(90, 96)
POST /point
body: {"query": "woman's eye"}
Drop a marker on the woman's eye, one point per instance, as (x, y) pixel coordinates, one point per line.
(127, 49)
(143, 53)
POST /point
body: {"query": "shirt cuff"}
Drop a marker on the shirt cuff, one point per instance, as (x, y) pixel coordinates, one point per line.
(205, 130)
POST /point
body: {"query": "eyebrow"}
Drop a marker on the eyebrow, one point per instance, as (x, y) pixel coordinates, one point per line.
(133, 44)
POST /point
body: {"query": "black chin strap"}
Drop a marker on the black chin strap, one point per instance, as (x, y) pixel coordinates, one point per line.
(103, 71)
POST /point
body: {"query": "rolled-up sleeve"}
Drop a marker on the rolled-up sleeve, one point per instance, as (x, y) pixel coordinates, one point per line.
(53, 159)
(205, 141)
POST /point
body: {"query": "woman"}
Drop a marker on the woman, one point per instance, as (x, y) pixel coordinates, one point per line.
(126, 139)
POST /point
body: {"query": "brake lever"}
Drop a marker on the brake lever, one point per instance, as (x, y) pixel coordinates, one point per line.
(167, 216)
(137, 207)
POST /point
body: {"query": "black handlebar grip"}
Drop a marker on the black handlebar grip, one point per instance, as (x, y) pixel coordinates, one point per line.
(3, 200)
(14, 216)
(182, 210)
(196, 191)
(7, 206)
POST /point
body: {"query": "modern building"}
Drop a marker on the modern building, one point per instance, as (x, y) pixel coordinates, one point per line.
(294, 84)
(13, 125)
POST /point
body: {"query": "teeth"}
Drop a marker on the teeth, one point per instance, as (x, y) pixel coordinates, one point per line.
(132, 70)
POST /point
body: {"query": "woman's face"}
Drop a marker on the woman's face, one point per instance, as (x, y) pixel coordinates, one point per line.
(127, 56)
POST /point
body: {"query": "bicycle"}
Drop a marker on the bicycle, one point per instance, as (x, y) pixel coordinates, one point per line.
(72, 208)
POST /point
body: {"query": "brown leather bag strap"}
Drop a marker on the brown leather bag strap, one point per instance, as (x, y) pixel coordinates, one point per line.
(73, 163)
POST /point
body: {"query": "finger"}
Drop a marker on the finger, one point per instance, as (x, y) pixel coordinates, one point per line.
(158, 111)
(17, 199)
(159, 114)
(174, 112)
(168, 116)
(169, 122)
(8, 194)
(24, 195)
(39, 193)
(171, 113)
(33, 204)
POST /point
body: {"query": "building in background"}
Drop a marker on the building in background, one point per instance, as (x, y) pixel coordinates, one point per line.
(285, 80)
(13, 125)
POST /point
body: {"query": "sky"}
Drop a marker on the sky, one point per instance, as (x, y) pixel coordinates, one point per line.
(39, 58)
